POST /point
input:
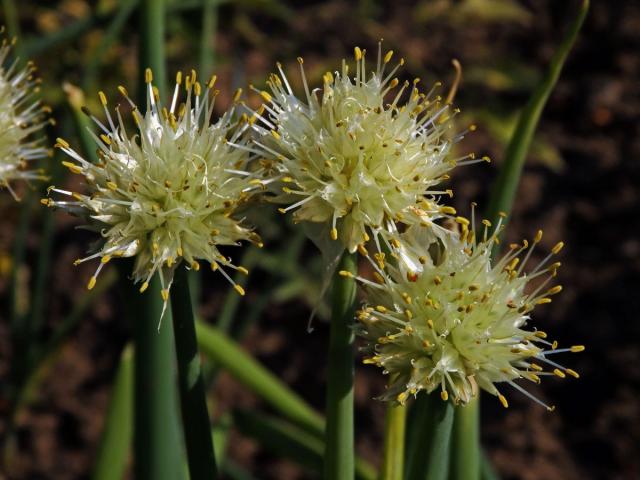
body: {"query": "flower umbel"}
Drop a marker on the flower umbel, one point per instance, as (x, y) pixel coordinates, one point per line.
(168, 193)
(362, 153)
(458, 323)
(21, 117)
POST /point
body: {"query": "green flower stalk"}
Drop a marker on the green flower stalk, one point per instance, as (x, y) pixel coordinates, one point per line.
(22, 119)
(169, 193)
(360, 153)
(455, 322)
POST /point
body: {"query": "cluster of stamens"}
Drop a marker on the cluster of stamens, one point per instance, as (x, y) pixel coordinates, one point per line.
(441, 316)
(361, 153)
(171, 192)
(22, 116)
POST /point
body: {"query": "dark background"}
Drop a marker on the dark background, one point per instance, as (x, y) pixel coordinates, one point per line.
(580, 185)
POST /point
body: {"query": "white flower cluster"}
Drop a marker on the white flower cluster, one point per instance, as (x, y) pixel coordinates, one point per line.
(444, 317)
(22, 117)
(361, 153)
(170, 192)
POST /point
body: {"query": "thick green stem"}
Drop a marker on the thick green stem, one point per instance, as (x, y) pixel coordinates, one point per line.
(465, 452)
(193, 400)
(393, 462)
(339, 454)
(208, 35)
(152, 20)
(157, 443)
(428, 457)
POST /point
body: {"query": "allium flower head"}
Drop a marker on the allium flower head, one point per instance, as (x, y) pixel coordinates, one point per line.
(21, 118)
(359, 152)
(169, 192)
(458, 322)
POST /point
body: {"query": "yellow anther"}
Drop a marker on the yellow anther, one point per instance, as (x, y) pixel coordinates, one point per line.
(554, 290)
(103, 98)
(430, 323)
(265, 96)
(164, 293)
(535, 378)
(357, 53)
(345, 274)
(92, 283)
(61, 142)
(558, 246)
(112, 186)
(559, 373)
(408, 314)
(379, 278)
(363, 251)
(148, 75)
(437, 280)
(73, 167)
(47, 202)
(179, 251)
(387, 57)
(381, 309)
(444, 395)
(536, 367)
(486, 223)
(447, 210)
(214, 266)
(275, 134)
(402, 397)
(540, 334)
(394, 83)
(573, 373)
(197, 89)
(334, 234)
(239, 289)
(105, 259)
(243, 270)
(212, 81)
(237, 95)
(195, 265)
(144, 286)
(426, 344)
(503, 401)
(282, 210)
(577, 348)
(462, 221)
(538, 237)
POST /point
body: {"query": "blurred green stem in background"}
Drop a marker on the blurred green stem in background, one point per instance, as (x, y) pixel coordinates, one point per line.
(339, 453)
(193, 401)
(504, 190)
(12, 21)
(115, 442)
(393, 461)
(208, 37)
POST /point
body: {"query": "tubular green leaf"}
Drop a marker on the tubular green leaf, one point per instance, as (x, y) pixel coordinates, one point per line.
(339, 453)
(113, 451)
(506, 185)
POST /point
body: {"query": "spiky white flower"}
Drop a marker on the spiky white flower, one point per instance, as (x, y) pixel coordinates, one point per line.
(22, 117)
(457, 323)
(168, 193)
(362, 155)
